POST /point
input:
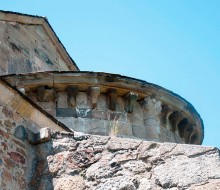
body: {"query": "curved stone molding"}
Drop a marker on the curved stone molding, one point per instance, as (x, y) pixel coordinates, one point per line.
(96, 103)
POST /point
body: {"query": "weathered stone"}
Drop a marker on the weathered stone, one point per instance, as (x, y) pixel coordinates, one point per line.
(44, 135)
(137, 166)
(82, 101)
(69, 183)
(8, 113)
(131, 98)
(212, 184)
(65, 112)
(112, 99)
(93, 93)
(116, 144)
(139, 131)
(56, 163)
(17, 157)
(9, 163)
(36, 138)
(20, 132)
(120, 183)
(6, 175)
(32, 137)
(45, 94)
(71, 96)
(62, 100)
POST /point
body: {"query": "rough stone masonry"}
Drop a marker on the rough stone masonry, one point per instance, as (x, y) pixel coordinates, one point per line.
(88, 162)
(48, 107)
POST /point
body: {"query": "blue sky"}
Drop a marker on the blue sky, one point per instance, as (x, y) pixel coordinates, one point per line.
(175, 44)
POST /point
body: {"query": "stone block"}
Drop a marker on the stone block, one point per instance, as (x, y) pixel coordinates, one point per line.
(112, 99)
(120, 106)
(102, 102)
(152, 132)
(124, 129)
(93, 126)
(74, 112)
(116, 144)
(69, 183)
(139, 131)
(72, 92)
(83, 112)
(17, 157)
(20, 132)
(45, 94)
(99, 114)
(6, 175)
(65, 112)
(40, 137)
(82, 100)
(47, 105)
(62, 100)
(44, 135)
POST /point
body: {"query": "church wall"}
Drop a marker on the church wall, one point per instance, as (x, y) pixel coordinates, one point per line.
(27, 48)
(13, 150)
(140, 124)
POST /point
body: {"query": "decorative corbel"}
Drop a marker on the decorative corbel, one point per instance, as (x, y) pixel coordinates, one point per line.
(131, 98)
(45, 94)
(93, 94)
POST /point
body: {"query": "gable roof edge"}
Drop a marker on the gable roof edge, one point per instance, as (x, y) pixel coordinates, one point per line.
(39, 20)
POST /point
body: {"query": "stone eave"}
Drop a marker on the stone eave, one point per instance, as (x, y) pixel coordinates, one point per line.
(10, 96)
(83, 79)
(9, 16)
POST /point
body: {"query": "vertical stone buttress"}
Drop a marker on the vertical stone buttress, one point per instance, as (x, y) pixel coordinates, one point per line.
(152, 111)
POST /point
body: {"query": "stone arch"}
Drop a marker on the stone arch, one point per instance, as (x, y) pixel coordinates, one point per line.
(174, 119)
(183, 124)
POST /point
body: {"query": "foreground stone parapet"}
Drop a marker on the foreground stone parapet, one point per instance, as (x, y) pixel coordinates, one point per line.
(88, 162)
(107, 104)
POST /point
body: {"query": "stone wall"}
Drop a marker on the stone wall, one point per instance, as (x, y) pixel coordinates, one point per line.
(144, 122)
(13, 150)
(83, 162)
(26, 48)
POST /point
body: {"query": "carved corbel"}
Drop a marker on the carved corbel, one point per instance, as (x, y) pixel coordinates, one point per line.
(71, 96)
(45, 94)
(131, 98)
(93, 94)
(175, 118)
(112, 99)
(151, 106)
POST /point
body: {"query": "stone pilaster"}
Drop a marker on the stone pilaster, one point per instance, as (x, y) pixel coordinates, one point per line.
(152, 110)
